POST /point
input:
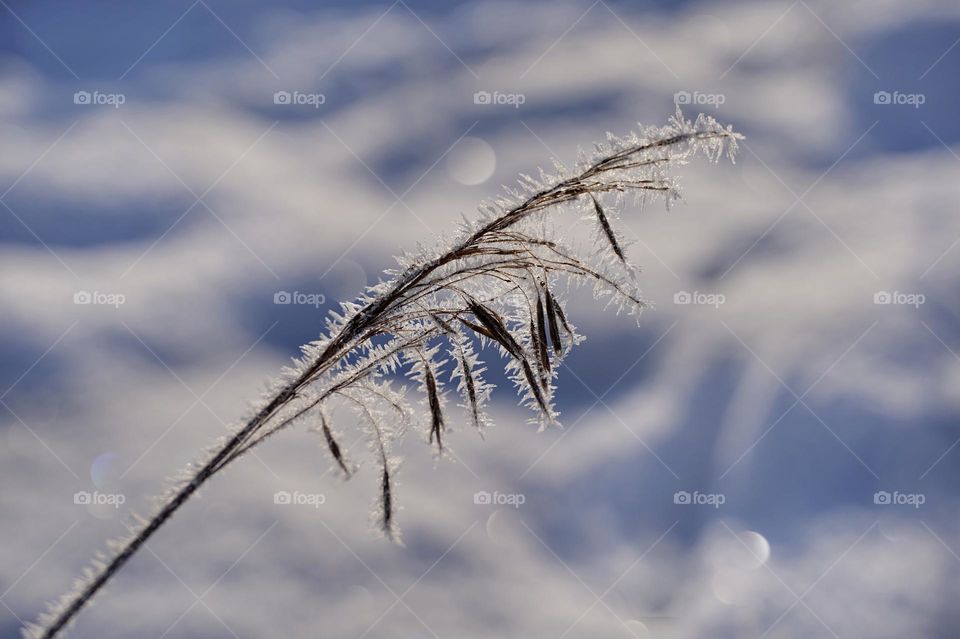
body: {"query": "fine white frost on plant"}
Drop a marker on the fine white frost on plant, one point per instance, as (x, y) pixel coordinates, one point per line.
(496, 284)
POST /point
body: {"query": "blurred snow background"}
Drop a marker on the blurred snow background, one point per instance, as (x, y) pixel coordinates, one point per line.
(787, 390)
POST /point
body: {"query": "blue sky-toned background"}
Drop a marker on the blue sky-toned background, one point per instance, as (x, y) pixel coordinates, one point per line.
(814, 374)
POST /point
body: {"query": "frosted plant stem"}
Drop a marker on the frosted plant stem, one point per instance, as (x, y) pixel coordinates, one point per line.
(174, 504)
(609, 172)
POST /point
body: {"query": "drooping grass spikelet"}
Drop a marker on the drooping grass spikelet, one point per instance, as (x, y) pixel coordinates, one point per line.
(436, 413)
(497, 330)
(607, 229)
(474, 391)
(333, 446)
(541, 338)
(552, 314)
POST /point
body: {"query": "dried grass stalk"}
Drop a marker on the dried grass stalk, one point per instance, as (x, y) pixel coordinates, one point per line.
(488, 271)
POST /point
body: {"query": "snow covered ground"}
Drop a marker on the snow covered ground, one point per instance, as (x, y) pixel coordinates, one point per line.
(772, 453)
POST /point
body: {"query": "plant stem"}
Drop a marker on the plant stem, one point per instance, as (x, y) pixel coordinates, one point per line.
(352, 333)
